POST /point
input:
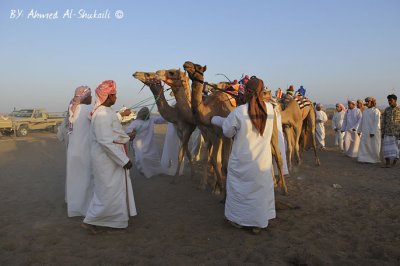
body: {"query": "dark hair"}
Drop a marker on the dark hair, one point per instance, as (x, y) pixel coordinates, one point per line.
(392, 96)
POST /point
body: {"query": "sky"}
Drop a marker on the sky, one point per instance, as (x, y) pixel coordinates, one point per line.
(337, 50)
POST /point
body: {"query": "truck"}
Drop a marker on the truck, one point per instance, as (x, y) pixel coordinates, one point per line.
(22, 121)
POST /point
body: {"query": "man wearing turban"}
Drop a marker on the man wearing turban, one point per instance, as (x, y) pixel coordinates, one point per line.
(79, 183)
(249, 186)
(112, 202)
(351, 122)
(337, 122)
(391, 131)
(370, 131)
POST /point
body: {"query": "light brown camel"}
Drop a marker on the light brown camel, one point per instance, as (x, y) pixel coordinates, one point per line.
(179, 83)
(172, 115)
(294, 121)
(205, 109)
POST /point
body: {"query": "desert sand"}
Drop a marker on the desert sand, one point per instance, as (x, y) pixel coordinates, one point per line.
(358, 224)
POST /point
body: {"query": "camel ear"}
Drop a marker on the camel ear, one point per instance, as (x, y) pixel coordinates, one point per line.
(204, 68)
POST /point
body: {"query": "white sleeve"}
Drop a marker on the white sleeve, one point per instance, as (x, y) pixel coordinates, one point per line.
(119, 117)
(217, 120)
(231, 124)
(104, 136)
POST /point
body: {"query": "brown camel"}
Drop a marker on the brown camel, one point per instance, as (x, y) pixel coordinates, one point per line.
(218, 104)
(295, 121)
(172, 115)
(179, 83)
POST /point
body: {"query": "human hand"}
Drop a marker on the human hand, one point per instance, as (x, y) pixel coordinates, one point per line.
(128, 165)
(132, 135)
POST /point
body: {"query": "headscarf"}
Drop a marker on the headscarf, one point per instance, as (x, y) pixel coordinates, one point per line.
(342, 107)
(81, 93)
(256, 106)
(372, 100)
(105, 88)
(143, 114)
(290, 91)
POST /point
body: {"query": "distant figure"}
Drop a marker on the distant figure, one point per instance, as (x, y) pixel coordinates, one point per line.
(278, 94)
(147, 156)
(301, 91)
(290, 91)
(321, 118)
(79, 181)
(351, 122)
(370, 131)
(337, 122)
(196, 142)
(361, 105)
(250, 199)
(113, 201)
(391, 131)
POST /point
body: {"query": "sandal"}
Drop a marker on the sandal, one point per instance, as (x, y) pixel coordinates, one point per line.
(238, 226)
(91, 228)
(256, 230)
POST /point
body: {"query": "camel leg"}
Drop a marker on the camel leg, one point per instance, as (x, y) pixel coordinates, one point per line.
(278, 158)
(205, 162)
(226, 151)
(216, 143)
(180, 133)
(297, 132)
(313, 135)
(289, 142)
(185, 143)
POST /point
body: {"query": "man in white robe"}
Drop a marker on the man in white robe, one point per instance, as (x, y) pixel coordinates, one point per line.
(320, 119)
(370, 131)
(250, 197)
(79, 181)
(351, 122)
(113, 200)
(147, 156)
(337, 123)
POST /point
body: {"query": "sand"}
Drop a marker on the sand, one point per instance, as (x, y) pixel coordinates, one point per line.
(177, 224)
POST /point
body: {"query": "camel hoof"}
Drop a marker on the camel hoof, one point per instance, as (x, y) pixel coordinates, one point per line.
(216, 192)
(201, 187)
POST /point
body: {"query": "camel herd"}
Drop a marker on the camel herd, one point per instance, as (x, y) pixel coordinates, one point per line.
(193, 109)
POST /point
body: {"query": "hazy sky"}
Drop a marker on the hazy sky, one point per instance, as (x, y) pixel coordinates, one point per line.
(335, 49)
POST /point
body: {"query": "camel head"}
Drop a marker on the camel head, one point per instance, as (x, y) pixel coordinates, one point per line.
(150, 79)
(144, 76)
(173, 78)
(195, 72)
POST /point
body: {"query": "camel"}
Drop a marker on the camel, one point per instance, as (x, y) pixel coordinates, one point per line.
(179, 83)
(296, 121)
(218, 104)
(172, 115)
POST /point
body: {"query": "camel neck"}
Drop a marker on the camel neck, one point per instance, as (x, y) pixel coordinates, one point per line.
(183, 104)
(197, 102)
(166, 111)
